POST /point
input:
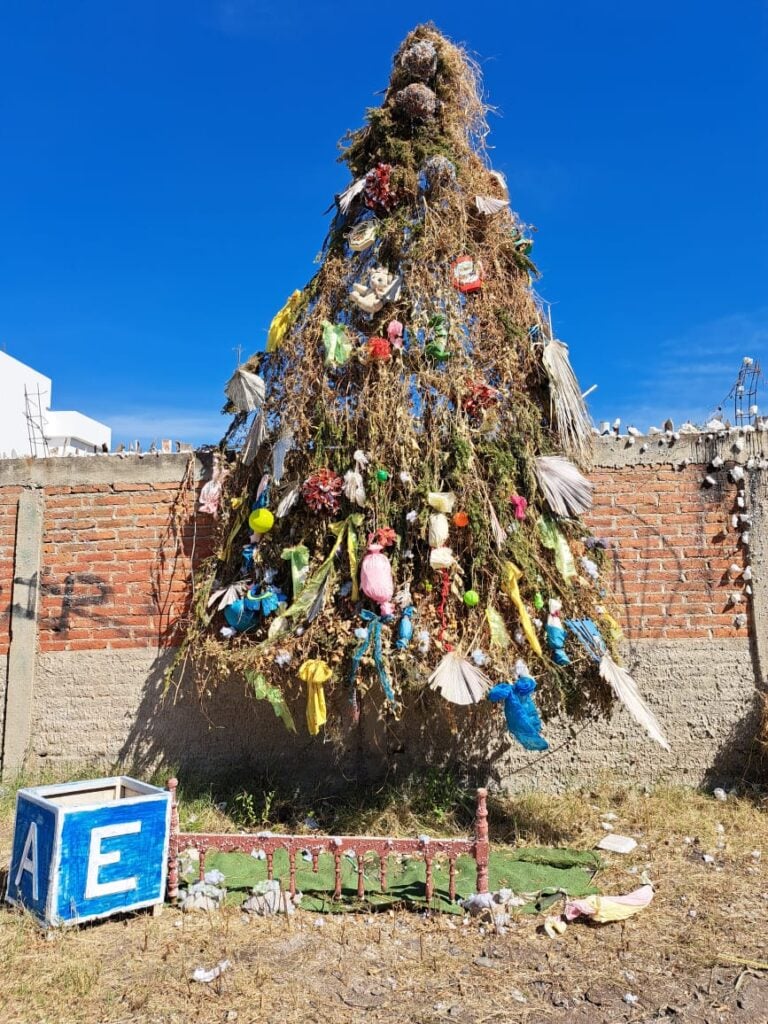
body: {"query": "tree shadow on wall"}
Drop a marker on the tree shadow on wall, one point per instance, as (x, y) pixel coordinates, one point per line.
(227, 731)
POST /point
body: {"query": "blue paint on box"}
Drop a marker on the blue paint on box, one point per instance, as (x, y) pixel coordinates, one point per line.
(119, 847)
(87, 850)
(32, 854)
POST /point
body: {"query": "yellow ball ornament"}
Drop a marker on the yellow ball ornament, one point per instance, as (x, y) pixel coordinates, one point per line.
(261, 520)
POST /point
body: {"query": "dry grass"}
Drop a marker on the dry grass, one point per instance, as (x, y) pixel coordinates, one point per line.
(404, 967)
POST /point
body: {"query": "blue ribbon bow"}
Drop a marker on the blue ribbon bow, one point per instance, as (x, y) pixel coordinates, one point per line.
(373, 635)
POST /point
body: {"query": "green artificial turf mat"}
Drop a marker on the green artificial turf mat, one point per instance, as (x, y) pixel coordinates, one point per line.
(537, 872)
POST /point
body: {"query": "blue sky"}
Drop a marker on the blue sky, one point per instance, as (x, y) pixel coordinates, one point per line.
(164, 168)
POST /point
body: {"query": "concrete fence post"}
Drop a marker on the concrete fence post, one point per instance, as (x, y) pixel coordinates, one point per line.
(22, 652)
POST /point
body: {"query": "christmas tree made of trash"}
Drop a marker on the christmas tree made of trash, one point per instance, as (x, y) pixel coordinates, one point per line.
(401, 511)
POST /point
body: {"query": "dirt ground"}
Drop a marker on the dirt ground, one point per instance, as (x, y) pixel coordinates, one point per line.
(698, 954)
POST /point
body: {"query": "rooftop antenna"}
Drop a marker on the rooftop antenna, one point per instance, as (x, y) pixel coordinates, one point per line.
(744, 393)
(33, 411)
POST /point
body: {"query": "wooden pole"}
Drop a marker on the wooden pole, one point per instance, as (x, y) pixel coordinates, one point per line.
(482, 846)
(172, 886)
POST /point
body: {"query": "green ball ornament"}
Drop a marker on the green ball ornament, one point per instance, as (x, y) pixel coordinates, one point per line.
(382, 475)
(261, 520)
(471, 598)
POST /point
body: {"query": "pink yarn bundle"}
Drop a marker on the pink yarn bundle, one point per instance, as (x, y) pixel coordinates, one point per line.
(376, 579)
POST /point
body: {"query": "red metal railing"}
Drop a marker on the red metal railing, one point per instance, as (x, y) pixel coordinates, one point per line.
(477, 847)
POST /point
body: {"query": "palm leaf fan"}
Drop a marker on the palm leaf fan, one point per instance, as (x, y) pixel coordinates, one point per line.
(567, 491)
(246, 391)
(458, 680)
(567, 405)
(488, 205)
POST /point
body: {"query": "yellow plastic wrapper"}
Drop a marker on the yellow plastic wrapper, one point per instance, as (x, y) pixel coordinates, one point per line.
(282, 321)
(315, 673)
(509, 585)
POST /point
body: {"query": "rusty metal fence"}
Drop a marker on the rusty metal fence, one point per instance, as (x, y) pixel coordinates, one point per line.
(424, 847)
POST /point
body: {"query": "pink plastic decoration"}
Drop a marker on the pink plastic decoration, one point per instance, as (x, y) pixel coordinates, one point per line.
(210, 495)
(376, 579)
(395, 334)
(519, 505)
(609, 908)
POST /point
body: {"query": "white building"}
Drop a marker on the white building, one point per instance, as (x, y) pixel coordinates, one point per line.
(29, 427)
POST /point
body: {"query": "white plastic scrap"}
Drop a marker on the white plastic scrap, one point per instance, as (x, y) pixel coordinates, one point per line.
(613, 843)
(201, 974)
(554, 925)
(214, 877)
(493, 904)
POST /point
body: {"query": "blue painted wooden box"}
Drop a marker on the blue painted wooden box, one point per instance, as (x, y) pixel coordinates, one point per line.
(85, 850)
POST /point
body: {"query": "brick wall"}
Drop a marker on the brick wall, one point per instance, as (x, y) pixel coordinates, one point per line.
(120, 537)
(671, 544)
(117, 562)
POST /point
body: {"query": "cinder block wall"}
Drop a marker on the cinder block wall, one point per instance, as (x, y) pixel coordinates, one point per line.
(120, 538)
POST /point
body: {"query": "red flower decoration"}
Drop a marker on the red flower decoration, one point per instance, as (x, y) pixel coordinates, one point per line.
(322, 491)
(385, 536)
(377, 193)
(379, 348)
(479, 396)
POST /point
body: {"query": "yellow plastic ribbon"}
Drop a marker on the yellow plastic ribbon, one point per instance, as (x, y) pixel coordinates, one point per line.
(509, 585)
(282, 321)
(315, 673)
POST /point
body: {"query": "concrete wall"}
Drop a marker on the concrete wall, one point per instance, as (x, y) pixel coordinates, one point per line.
(120, 537)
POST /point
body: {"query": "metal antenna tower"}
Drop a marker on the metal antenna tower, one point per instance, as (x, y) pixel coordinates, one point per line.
(744, 393)
(33, 411)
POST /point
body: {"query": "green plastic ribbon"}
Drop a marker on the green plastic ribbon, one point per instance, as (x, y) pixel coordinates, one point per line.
(298, 557)
(263, 691)
(338, 347)
(552, 538)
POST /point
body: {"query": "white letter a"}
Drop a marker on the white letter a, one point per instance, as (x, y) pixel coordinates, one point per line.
(29, 859)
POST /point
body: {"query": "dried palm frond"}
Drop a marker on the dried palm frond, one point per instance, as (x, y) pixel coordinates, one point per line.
(458, 680)
(621, 682)
(288, 502)
(246, 391)
(282, 446)
(567, 405)
(344, 199)
(498, 532)
(228, 595)
(625, 688)
(257, 435)
(567, 491)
